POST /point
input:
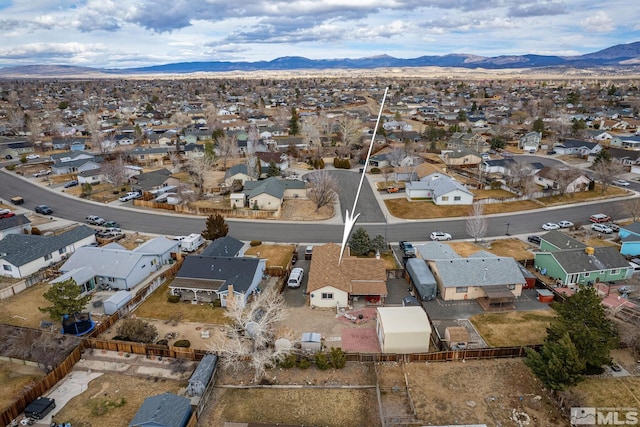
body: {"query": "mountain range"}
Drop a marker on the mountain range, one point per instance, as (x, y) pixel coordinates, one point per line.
(619, 56)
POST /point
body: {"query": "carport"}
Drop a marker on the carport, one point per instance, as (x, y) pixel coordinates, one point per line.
(497, 298)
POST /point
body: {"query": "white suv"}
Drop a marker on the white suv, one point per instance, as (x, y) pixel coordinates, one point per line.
(601, 228)
(440, 235)
(295, 278)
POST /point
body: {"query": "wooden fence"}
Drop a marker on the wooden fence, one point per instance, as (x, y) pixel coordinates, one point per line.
(201, 210)
(443, 356)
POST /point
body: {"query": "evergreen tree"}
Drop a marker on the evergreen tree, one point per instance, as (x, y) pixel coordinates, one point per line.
(360, 243)
(294, 123)
(538, 125)
(378, 243)
(273, 169)
(216, 227)
(66, 299)
(558, 364)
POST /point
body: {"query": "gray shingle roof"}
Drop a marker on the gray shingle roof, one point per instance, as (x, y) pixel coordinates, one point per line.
(14, 221)
(20, 249)
(236, 169)
(236, 271)
(578, 261)
(492, 271)
(224, 246)
(562, 241)
(632, 228)
(163, 410)
(149, 180)
(436, 250)
(271, 186)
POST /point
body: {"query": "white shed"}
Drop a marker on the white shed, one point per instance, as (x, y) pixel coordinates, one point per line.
(403, 330)
(116, 301)
(311, 342)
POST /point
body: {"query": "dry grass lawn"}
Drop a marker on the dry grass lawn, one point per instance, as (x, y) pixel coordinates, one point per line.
(514, 248)
(425, 209)
(157, 307)
(113, 399)
(464, 249)
(488, 194)
(13, 379)
(276, 255)
(304, 210)
(584, 196)
(22, 309)
(497, 329)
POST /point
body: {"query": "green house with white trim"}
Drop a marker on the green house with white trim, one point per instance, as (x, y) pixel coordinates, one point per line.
(568, 260)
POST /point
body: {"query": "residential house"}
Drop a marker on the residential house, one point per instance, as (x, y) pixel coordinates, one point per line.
(631, 142)
(148, 181)
(440, 188)
(115, 267)
(570, 261)
(629, 237)
(624, 157)
(337, 284)
(530, 141)
(573, 180)
(149, 155)
(74, 162)
(21, 255)
(578, 148)
(163, 410)
(403, 330)
(239, 172)
(281, 160)
(92, 176)
(207, 278)
(468, 141)
(226, 246)
(17, 224)
(462, 158)
(193, 151)
(268, 194)
(494, 281)
(497, 166)
(15, 147)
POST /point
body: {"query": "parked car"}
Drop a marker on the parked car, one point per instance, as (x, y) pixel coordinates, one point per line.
(308, 252)
(71, 183)
(95, 220)
(43, 209)
(613, 226)
(392, 189)
(601, 228)
(550, 226)
(42, 172)
(440, 235)
(551, 152)
(621, 183)
(6, 213)
(111, 224)
(616, 368)
(407, 248)
(130, 196)
(534, 239)
(295, 278)
(598, 218)
(33, 156)
(17, 200)
(565, 224)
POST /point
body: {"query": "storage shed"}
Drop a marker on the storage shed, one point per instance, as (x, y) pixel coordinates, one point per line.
(202, 375)
(116, 301)
(529, 277)
(422, 278)
(456, 337)
(39, 408)
(163, 410)
(311, 342)
(403, 330)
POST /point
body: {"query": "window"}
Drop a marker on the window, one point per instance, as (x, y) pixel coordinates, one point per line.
(461, 290)
(457, 198)
(327, 295)
(47, 257)
(444, 198)
(512, 287)
(62, 250)
(587, 274)
(6, 267)
(614, 272)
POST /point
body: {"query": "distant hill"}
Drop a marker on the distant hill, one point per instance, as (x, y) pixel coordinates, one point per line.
(623, 55)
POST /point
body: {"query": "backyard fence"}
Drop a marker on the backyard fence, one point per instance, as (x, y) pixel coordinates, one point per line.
(202, 210)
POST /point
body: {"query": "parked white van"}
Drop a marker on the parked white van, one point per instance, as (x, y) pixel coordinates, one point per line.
(295, 278)
(191, 242)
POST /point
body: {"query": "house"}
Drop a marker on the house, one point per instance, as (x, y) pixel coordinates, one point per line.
(629, 237)
(334, 284)
(469, 141)
(281, 160)
(74, 162)
(403, 330)
(494, 281)
(148, 181)
(24, 254)
(17, 224)
(163, 410)
(578, 148)
(440, 188)
(573, 180)
(239, 172)
(115, 267)
(268, 194)
(92, 176)
(207, 278)
(149, 155)
(530, 141)
(226, 246)
(498, 166)
(463, 158)
(570, 261)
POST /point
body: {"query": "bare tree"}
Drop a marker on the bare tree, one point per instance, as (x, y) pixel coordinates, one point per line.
(227, 149)
(477, 223)
(564, 177)
(198, 169)
(350, 130)
(92, 124)
(606, 171)
(395, 156)
(182, 121)
(322, 189)
(251, 332)
(311, 133)
(115, 171)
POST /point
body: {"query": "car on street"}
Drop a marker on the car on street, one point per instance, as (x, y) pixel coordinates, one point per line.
(6, 213)
(598, 218)
(601, 228)
(408, 249)
(130, 196)
(534, 239)
(440, 235)
(71, 183)
(551, 152)
(565, 224)
(550, 226)
(111, 224)
(621, 183)
(43, 209)
(95, 220)
(33, 156)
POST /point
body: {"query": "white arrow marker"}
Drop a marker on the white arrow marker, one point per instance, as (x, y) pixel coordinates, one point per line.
(350, 219)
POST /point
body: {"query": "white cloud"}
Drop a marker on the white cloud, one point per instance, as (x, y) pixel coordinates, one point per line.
(599, 22)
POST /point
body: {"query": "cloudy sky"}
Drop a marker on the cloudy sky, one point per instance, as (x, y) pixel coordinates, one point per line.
(127, 33)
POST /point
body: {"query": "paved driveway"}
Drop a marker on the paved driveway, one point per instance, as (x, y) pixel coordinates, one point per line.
(367, 206)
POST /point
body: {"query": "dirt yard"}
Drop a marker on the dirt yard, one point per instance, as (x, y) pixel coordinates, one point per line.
(14, 377)
(497, 328)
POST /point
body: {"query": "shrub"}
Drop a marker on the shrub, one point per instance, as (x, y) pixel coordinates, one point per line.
(123, 189)
(163, 342)
(11, 167)
(338, 358)
(289, 361)
(36, 231)
(173, 298)
(255, 243)
(304, 363)
(322, 362)
(495, 185)
(216, 303)
(375, 171)
(182, 343)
